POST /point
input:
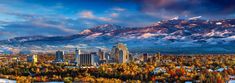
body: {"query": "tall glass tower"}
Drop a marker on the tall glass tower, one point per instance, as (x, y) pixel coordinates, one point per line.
(77, 56)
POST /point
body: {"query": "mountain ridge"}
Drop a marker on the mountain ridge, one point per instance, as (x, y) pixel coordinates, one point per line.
(176, 33)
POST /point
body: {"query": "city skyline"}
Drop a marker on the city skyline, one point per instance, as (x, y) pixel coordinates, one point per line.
(117, 41)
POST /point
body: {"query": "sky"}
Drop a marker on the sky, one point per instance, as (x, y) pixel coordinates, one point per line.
(66, 17)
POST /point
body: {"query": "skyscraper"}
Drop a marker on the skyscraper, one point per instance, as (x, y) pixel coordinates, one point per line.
(59, 56)
(77, 56)
(101, 54)
(120, 53)
(96, 58)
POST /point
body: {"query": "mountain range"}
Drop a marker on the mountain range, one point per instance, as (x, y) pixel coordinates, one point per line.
(167, 36)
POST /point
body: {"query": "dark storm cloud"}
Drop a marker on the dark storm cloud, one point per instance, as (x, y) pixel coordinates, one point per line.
(188, 7)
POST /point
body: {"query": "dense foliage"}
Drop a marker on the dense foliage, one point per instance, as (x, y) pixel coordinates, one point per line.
(206, 68)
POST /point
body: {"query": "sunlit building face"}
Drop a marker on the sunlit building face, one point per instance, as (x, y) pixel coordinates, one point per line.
(120, 53)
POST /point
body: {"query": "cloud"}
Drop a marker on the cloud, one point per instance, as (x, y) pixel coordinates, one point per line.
(169, 8)
(38, 25)
(89, 15)
(1, 27)
(61, 27)
(41, 21)
(62, 18)
(119, 9)
(135, 20)
(105, 19)
(114, 14)
(193, 18)
(59, 6)
(147, 35)
(5, 35)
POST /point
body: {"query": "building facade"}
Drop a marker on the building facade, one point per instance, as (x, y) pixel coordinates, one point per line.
(120, 53)
(145, 55)
(33, 58)
(86, 59)
(77, 56)
(101, 54)
(59, 56)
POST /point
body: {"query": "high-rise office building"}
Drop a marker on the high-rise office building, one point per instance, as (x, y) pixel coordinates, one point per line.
(96, 58)
(120, 53)
(101, 54)
(59, 56)
(77, 56)
(86, 59)
(145, 55)
(107, 56)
